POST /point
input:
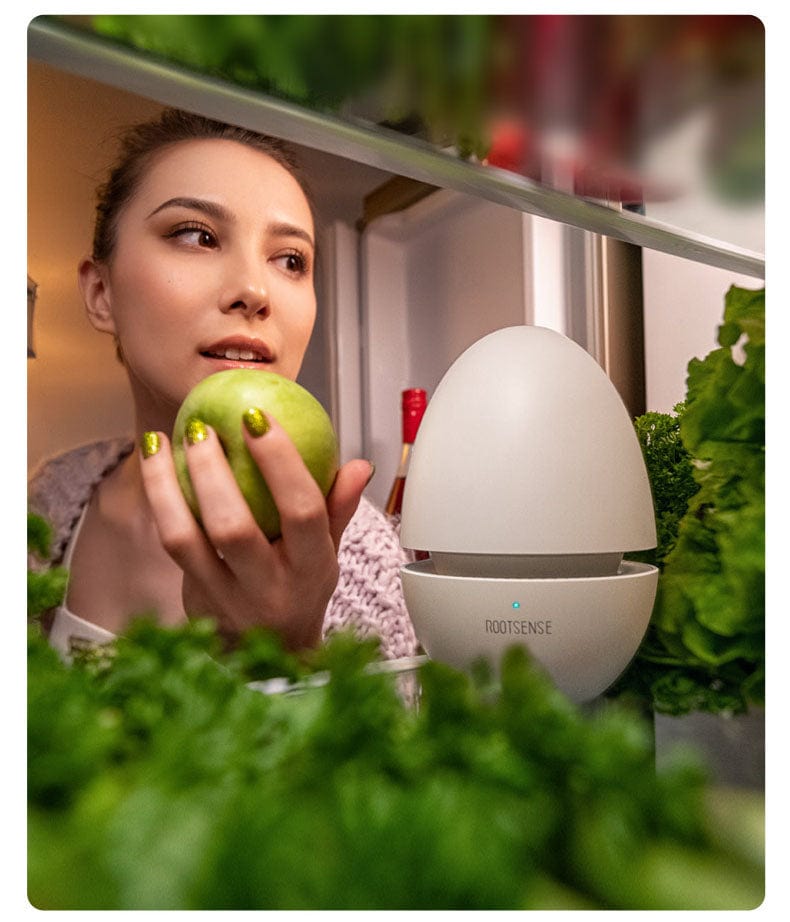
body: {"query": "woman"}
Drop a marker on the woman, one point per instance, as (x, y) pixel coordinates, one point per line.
(203, 259)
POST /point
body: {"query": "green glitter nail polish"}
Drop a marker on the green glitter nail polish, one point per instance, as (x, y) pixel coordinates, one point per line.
(255, 422)
(195, 431)
(150, 444)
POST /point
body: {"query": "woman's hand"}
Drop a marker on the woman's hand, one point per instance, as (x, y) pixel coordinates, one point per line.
(232, 572)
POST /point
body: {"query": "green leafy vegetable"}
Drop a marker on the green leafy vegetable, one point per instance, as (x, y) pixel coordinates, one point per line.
(45, 588)
(705, 649)
(158, 779)
(671, 474)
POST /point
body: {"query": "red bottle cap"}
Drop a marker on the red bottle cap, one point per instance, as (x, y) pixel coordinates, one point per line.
(413, 404)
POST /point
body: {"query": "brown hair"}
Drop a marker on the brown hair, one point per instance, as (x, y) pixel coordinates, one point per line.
(140, 143)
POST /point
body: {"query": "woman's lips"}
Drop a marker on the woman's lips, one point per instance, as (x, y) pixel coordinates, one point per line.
(239, 349)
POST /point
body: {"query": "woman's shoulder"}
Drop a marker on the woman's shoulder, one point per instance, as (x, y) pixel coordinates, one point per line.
(59, 486)
(69, 474)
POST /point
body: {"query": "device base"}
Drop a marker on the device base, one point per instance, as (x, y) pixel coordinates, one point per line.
(584, 630)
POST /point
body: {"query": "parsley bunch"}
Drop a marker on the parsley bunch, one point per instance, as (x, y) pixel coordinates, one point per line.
(159, 779)
(45, 586)
(671, 473)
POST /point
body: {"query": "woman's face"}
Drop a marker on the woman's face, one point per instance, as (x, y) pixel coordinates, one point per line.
(212, 269)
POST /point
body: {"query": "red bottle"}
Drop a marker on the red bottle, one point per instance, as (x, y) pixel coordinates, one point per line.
(413, 403)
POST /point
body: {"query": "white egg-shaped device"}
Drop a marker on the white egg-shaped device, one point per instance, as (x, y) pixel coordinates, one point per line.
(527, 485)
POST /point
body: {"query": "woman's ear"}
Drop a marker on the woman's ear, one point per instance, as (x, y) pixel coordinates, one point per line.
(94, 285)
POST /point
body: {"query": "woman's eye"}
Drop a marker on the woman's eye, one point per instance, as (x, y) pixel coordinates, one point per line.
(293, 263)
(194, 236)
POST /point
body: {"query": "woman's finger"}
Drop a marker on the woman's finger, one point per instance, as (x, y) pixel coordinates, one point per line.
(303, 515)
(344, 497)
(179, 532)
(227, 520)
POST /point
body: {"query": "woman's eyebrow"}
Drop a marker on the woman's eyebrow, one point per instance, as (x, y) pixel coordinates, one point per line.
(220, 213)
(212, 209)
(284, 229)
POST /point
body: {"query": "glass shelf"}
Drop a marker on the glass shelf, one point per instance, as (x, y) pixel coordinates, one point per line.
(87, 55)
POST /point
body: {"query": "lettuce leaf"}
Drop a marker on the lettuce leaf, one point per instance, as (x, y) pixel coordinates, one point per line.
(705, 649)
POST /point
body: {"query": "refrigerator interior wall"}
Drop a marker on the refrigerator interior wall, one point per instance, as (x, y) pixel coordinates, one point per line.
(684, 307)
(337, 290)
(684, 299)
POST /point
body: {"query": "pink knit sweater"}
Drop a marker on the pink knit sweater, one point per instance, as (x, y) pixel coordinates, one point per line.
(368, 597)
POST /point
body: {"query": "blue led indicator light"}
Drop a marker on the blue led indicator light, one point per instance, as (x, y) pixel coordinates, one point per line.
(517, 605)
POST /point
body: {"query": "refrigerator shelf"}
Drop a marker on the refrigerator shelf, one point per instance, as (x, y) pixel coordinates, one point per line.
(87, 55)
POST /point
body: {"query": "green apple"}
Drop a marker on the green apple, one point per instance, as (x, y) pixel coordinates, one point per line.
(220, 400)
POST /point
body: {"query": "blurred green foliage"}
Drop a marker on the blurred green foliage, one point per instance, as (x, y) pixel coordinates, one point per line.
(45, 587)
(429, 68)
(158, 779)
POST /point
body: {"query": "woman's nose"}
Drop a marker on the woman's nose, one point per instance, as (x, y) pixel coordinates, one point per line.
(246, 290)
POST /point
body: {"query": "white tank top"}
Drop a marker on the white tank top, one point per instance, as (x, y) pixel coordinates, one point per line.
(68, 628)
